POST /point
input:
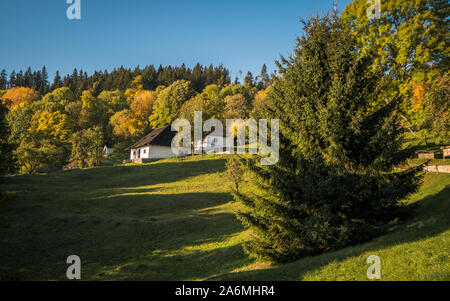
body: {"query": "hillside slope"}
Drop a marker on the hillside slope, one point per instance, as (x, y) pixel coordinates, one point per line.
(173, 220)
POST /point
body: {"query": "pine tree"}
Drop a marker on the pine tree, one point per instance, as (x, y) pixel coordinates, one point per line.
(28, 79)
(3, 80)
(43, 87)
(12, 80)
(336, 183)
(57, 81)
(263, 78)
(20, 80)
(249, 81)
(36, 81)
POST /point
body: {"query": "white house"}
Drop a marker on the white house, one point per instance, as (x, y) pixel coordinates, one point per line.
(156, 145)
(107, 150)
(212, 143)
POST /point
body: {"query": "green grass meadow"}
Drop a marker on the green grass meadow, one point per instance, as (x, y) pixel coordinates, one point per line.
(174, 220)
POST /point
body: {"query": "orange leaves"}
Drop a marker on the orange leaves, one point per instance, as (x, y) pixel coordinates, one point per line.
(142, 104)
(20, 95)
(419, 90)
(135, 86)
(134, 122)
(123, 124)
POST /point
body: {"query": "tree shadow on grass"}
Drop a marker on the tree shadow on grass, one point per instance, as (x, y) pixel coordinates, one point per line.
(118, 176)
(111, 240)
(196, 265)
(426, 224)
(154, 206)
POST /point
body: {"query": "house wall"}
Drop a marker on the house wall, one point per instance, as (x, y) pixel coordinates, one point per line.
(143, 155)
(145, 151)
(153, 152)
(438, 168)
(107, 150)
(211, 143)
(161, 152)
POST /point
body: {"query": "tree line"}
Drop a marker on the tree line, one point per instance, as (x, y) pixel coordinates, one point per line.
(119, 79)
(68, 125)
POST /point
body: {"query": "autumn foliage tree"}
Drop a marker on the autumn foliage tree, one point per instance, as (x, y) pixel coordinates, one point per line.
(170, 100)
(410, 40)
(6, 158)
(46, 144)
(19, 96)
(131, 123)
(87, 148)
(430, 109)
(142, 107)
(236, 107)
(209, 102)
(57, 99)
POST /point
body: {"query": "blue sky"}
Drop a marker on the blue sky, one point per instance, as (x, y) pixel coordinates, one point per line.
(241, 35)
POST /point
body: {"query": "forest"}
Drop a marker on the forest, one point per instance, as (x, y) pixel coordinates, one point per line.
(66, 122)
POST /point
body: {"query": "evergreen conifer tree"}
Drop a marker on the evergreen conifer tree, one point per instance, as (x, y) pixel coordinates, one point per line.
(3, 80)
(337, 182)
(57, 83)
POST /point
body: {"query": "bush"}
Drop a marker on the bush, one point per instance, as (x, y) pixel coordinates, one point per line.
(87, 148)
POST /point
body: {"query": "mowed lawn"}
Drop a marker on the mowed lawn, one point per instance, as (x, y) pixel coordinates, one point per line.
(173, 220)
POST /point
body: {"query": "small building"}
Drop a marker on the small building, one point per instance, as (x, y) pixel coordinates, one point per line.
(212, 143)
(156, 145)
(107, 150)
(445, 152)
(429, 155)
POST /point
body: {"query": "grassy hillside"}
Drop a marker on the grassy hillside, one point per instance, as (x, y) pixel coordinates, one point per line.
(173, 220)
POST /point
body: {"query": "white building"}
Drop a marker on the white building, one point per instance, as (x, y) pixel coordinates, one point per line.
(107, 150)
(212, 143)
(156, 145)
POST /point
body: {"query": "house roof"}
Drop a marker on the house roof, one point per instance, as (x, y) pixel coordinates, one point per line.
(212, 133)
(162, 136)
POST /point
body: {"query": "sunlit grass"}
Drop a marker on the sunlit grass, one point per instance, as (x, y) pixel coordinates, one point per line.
(174, 220)
(418, 249)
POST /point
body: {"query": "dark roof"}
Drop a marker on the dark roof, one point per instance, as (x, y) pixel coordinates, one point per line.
(224, 132)
(162, 136)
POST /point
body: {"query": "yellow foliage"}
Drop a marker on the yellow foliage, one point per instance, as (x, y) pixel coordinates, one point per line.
(20, 95)
(54, 126)
(135, 86)
(142, 104)
(419, 91)
(125, 126)
(261, 96)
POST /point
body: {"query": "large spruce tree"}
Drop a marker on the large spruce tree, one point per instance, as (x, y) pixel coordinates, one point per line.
(337, 182)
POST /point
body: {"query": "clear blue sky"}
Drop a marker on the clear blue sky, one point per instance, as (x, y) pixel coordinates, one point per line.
(242, 35)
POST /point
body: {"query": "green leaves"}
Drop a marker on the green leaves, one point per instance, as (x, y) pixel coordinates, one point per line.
(87, 148)
(335, 183)
(170, 100)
